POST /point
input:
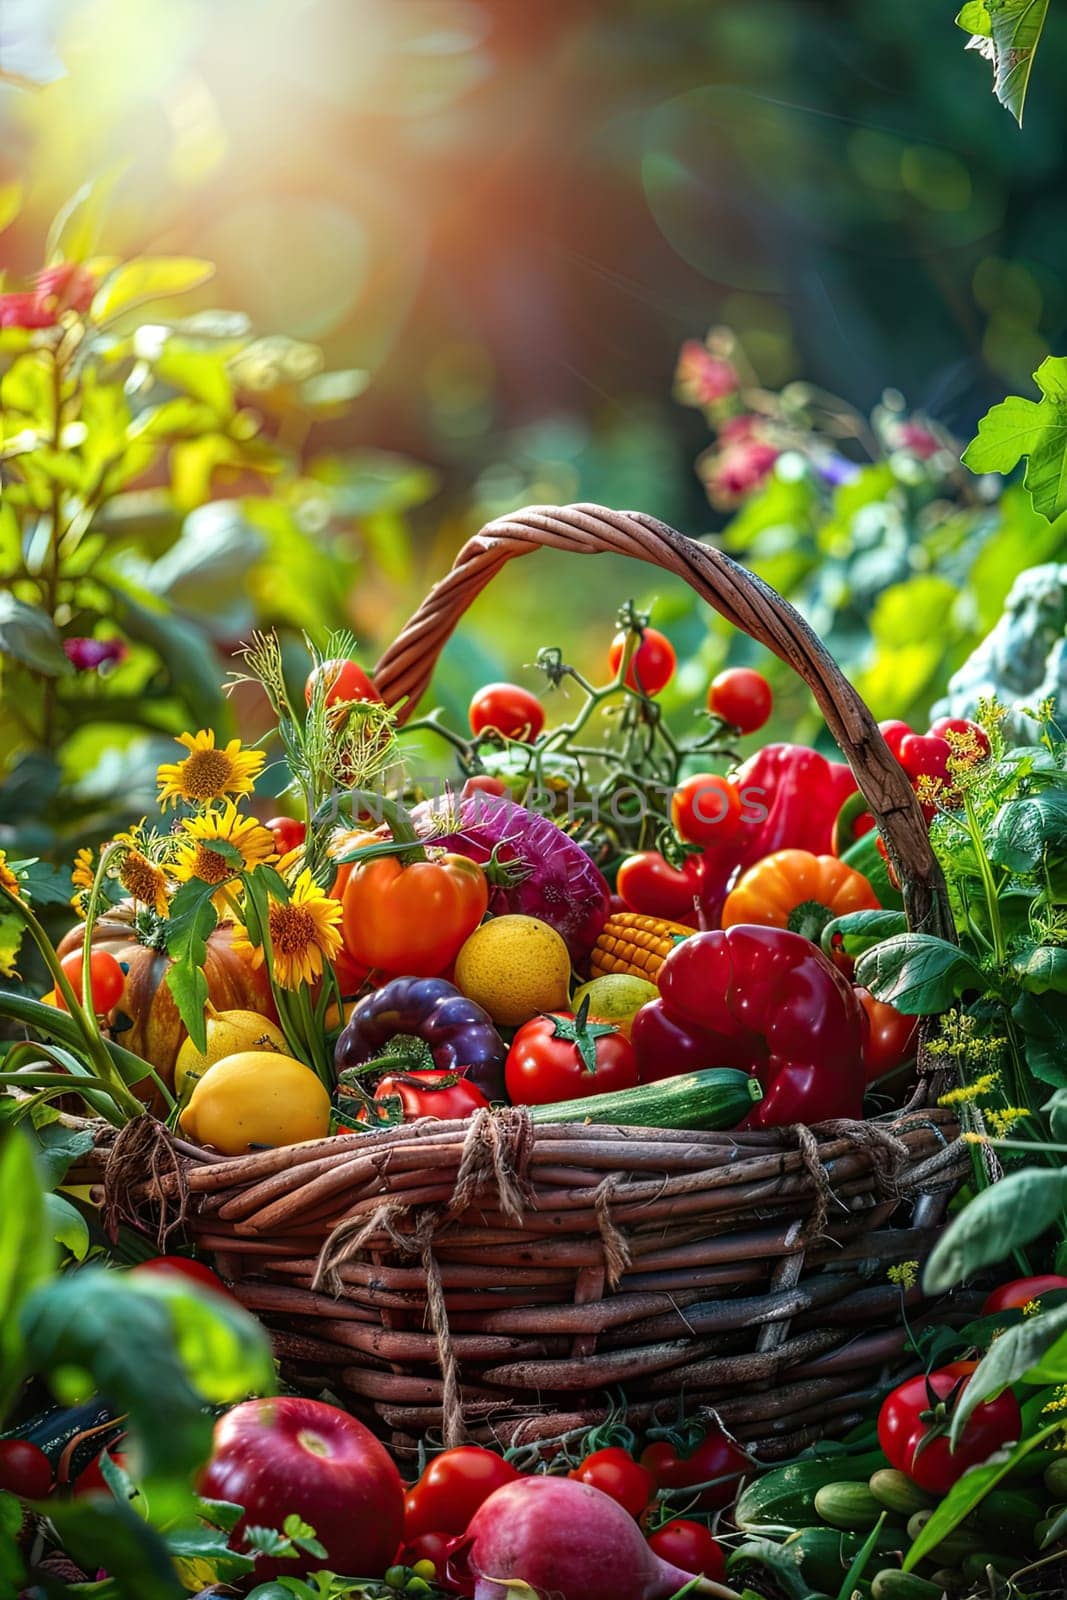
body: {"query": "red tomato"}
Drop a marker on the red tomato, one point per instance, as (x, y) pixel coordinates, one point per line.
(106, 980)
(430, 1092)
(706, 809)
(924, 757)
(484, 783)
(649, 884)
(615, 1473)
(893, 732)
(713, 1456)
(905, 1420)
(451, 1489)
(288, 1455)
(25, 1470)
(946, 725)
(289, 834)
(508, 709)
(652, 663)
(427, 1547)
(345, 680)
(742, 698)
(1020, 1291)
(689, 1545)
(891, 1036)
(183, 1268)
(552, 1058)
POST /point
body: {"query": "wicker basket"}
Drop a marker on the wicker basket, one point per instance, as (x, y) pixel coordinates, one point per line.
(495, 1281)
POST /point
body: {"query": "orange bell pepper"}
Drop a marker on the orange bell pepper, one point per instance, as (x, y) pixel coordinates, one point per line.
(797, 890)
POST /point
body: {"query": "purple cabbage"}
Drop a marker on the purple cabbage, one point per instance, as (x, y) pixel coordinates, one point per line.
(554, 879)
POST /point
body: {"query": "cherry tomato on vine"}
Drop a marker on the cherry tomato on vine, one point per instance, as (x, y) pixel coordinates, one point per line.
(706, 809)
(343, 679)
(615, 1473)
(429, 1092)
(1020, 1291)
(919, 1410)
(891, 1036)
(742, 697)
(289, 834)
(484, 783)
(508, 709)
(961, 725)
(451, 1489)
(652, 663)
(106, 980)
(924, 756)
(649, 884)
(712, 1456)
(562, 1057)
(893, 732)
(183, 1268)
(25, 1470)
(690, 1546)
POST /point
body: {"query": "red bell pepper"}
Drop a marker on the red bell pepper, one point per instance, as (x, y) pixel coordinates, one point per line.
(768, 1002)
(790, 798)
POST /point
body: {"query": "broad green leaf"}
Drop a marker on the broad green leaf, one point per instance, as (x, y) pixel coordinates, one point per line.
(1033, 428)
(154, 1348)
(974, 18)
(199, 1551)
(777, 1561)
(917, 973)
(1055, 1111)
(55, 1148)
(26, 1253)
(1015, 31)
(30, 636)
(192, 919)
(968, 1492)
(1008, 1214)
(181, 645)
(1025, 830)
(200, 373)
(1041, 967)
(1044, 1026)
(860, 931)
(99, 1531)
(1035, 1348)
(66, 1225)
(148, 278)
(12, 1571)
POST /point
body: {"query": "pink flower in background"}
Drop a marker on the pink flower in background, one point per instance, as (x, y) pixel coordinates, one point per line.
(24, 310)
(740, 464)
(702, 378)
(89, 655)
(919, 440)
(65, 287)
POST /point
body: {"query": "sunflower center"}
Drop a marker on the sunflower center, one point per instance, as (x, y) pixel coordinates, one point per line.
(292, 929)
(140, 878)
(210, 866)
(206, 773)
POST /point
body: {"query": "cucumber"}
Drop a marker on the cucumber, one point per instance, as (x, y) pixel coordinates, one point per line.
(892, 1584)
(896, 1492)
(974, 1567)
(1008, 1511)
(851, 1506)
(718, 1097)
(785, 1498)
(952, 1549)
(825, 1554)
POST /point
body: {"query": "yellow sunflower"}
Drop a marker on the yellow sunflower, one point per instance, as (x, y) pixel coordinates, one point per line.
(194, 857)
(7, 877)
(144, 881)
(207, 773)
(304, 933)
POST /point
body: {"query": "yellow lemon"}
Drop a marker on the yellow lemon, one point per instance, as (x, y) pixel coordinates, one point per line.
(228, 1032)
(616, 997)
(256, 1098)
(515, 966)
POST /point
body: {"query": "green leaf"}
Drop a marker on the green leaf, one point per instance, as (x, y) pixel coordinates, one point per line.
(1008, 1214)
(968, 1492)
(182, 647)
(1035, 1348)
(56, 1148)
(31, 637)
(1044, 1026)
(1026, 829)
(202, 1543)
(12, 1571)
(154, 1348)
(192, 920)
(99, 1531)
(1015, 30)
(1041, 967)
(1055, 1110)
(776, 1561)
(66, 1225)
(918, 973)
(1033, 428)
(27, 1254)
(974, 18)
(148, 278)
(200, 373)
(859, 931)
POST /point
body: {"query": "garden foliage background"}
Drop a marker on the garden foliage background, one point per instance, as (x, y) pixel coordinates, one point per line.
(498, 222)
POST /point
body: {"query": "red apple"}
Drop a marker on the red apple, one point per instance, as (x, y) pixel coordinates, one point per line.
(276, 1457)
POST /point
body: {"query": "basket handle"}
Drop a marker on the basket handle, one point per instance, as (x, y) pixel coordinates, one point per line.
(745, 600)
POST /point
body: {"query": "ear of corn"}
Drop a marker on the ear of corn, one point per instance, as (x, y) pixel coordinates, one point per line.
(635, 944)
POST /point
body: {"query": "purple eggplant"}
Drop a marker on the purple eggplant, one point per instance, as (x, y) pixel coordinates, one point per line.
(458, 1035)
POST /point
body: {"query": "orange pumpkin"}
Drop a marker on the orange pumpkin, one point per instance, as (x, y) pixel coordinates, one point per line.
(157, 1032)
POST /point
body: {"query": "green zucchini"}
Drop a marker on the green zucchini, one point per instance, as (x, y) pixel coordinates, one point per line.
(718, 1097)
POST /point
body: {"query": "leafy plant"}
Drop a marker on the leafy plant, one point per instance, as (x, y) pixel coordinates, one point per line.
(1036, 429)
(1007, 33)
